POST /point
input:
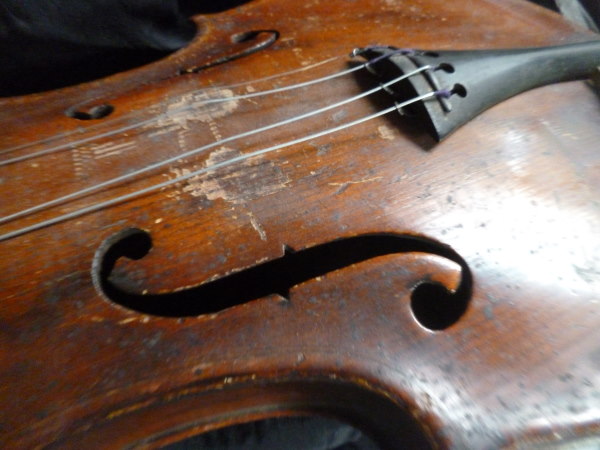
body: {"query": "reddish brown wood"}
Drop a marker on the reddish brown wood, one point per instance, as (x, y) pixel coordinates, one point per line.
(514, 193)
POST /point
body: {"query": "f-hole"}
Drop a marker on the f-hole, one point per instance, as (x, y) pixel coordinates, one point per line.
(433, 306)
(284, 432)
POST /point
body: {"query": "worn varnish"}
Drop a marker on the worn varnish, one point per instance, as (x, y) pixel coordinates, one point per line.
(504, 213)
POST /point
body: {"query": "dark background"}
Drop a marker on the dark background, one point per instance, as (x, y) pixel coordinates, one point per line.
(46, 44)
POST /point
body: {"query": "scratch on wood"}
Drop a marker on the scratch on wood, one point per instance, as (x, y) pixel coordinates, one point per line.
(194, 107)
(366, 180)
(193, 186)
(257, 226)
(238, 183)
(214, 129)
(304, 61)
(344, 185)
(110, 149)
(81, 161)
(165, 130)
(83, 157)
(181, 138)
(128, 320)
(385, 132)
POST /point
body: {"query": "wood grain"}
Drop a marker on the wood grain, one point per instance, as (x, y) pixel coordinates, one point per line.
(514, 194)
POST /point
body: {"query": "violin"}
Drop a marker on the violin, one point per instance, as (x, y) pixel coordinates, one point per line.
(385, 214)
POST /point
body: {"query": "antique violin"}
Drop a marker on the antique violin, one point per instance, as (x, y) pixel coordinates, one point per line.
(385, 215)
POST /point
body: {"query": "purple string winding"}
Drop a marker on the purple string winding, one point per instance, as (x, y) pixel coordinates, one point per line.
(443, 93)
(440, 93)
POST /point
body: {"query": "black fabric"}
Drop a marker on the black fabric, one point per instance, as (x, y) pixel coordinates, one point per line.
(289, 433)
(583, 12)
(45, 44)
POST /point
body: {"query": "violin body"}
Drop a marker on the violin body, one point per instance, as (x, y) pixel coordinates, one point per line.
(307, 280)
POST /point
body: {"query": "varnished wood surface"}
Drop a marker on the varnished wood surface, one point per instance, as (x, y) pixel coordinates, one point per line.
(514, 193)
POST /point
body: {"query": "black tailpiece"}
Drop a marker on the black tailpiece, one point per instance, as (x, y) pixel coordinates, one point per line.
(477, 79)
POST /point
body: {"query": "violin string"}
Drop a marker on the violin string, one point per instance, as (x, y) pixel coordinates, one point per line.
(209, 101)
(123, 198)
(204, 148)
(181, 109)
(110, 122)
(285, 74)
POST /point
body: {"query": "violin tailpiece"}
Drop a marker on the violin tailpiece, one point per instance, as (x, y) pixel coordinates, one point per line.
(477, 79)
